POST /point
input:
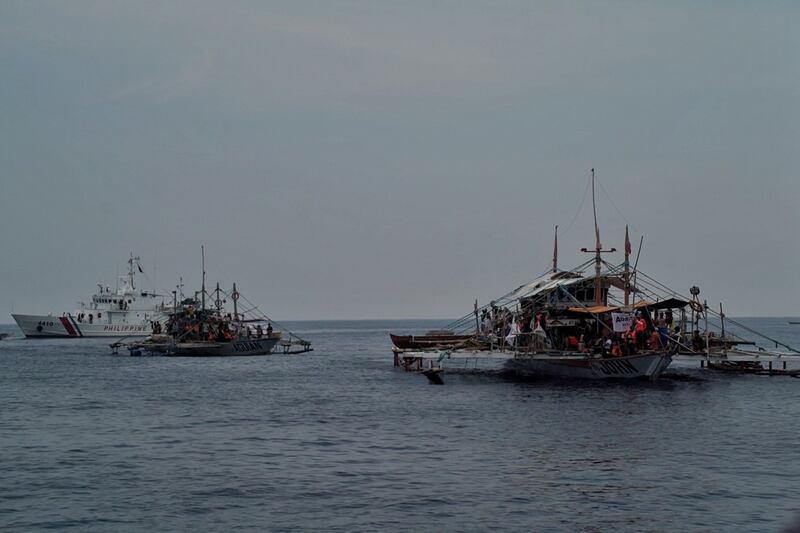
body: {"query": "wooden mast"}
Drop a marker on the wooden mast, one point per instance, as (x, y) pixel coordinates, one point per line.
(235, 296)
(598, 249)
(627, 275)
(203, 286)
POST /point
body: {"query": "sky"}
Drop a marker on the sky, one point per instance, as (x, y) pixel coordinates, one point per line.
(377, 159)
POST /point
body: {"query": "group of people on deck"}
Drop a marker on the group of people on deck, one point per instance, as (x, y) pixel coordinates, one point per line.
(530, 330)
(83, 317)
(212, 327)
(645, 333)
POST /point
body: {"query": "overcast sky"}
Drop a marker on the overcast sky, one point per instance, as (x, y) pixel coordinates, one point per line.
(383, 159)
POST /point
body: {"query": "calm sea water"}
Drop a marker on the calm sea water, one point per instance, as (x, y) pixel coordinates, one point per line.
(339, 440)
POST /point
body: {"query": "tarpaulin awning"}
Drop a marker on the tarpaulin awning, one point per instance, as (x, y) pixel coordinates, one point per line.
(595, 310)
(669, 303)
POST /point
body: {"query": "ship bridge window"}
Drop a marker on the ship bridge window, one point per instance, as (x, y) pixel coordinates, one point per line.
(130, 301)
(584, 294)
(115, 300)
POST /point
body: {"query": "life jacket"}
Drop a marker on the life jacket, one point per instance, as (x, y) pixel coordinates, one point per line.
(572, 341)
(655, 341)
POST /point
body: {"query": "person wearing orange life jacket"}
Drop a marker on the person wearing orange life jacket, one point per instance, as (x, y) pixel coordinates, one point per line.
(572, 343)
(641, 331)
(616, 351)
(654, 343)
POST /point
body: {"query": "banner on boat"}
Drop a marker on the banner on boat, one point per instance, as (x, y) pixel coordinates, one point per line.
(622, 321)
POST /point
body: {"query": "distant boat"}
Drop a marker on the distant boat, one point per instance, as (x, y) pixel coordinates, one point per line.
(790, 322)
(125, 310)
(195, 329)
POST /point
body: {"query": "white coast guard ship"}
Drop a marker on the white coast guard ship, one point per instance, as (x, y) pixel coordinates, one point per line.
(126, 311)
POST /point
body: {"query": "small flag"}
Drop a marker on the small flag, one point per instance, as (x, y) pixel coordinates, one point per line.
(140, 268)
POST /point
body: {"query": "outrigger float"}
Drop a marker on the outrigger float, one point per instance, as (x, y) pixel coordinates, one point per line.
(615, 323)
(197, 330)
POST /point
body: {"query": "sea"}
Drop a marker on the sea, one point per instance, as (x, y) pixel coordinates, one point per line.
(340, 440)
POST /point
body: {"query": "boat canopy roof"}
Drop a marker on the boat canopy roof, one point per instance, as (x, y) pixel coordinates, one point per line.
(594, 310)
(548, 282)
(669, 303)
(552, 280)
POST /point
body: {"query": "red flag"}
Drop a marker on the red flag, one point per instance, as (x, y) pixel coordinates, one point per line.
(627, 244)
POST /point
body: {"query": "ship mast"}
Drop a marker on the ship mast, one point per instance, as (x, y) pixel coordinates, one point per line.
(627, 274)
(235, 297)
(598, 249)
(555, 250)
(203, 286)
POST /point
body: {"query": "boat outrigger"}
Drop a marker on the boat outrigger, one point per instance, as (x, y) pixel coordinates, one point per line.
(614, 323)
(197, 330)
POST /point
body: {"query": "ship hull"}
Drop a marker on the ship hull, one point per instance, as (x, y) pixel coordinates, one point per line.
(630, 367)
(240, 347)
(68, 327)
(558, 365)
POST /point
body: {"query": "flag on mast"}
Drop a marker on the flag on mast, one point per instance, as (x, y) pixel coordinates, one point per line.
(627, 245)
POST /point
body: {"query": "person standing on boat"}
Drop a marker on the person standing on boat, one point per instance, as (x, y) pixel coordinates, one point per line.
(513, 331)
(655, 343)
(663, 328)
(640, 327)
(269, 329)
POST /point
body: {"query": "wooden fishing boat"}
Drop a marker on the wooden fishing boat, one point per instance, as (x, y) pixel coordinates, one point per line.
(422, 342)
(197, 330)
(562, 324)
(751, 367)
(617, 323)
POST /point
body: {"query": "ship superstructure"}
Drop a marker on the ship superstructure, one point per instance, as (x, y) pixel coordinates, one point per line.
(123, 311)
